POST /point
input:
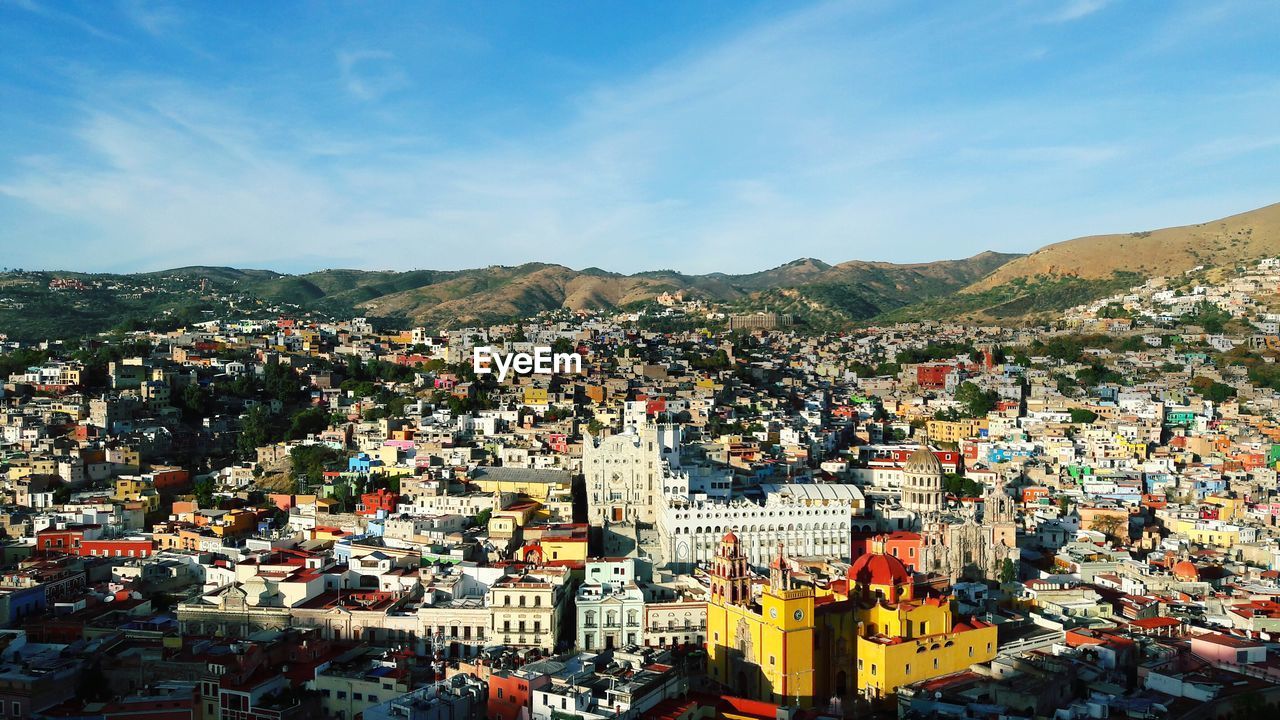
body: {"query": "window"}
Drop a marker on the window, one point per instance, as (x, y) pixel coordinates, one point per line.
(935, 663)
(908, 669)
(357, 696)
(342, 694)
(873, 669)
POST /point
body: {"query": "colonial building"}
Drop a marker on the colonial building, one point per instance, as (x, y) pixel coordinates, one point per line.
(524, 612)
(610, 605)
(790, 643)
(808, 520)
(623, 472)
(904, 638)
(763, 646)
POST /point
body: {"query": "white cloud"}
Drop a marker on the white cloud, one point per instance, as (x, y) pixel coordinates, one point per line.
(808, 135)
(370, 74)
(1076, 9)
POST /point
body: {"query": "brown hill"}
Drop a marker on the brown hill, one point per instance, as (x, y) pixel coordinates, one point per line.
(848, 291)
(1247, 236)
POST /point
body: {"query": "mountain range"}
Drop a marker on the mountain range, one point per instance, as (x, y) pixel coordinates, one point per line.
(988, 287)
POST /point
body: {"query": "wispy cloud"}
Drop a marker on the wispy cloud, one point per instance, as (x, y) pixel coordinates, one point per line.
(1070, 10)
(826, 132)
(370, 74)
(57, 15)
(156, 18)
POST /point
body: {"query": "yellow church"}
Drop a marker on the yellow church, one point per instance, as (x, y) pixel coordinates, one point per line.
(791, 643)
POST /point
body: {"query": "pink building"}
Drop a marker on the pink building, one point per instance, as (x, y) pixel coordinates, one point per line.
(1217, 647)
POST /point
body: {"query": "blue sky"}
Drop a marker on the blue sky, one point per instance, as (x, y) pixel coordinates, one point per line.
(701, 136)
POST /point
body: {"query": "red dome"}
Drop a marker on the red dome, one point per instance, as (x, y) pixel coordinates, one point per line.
(730, 538)
(879, 569)
(1186, 570)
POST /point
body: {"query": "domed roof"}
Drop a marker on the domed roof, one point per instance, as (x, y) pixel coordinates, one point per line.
(1186, 570)
(730, 538)
(923, 461)
(879, 569)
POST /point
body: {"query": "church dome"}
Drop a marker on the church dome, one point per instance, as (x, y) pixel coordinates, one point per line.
(1186, 571)
(923, 462)
(879, 569)
(730, 538)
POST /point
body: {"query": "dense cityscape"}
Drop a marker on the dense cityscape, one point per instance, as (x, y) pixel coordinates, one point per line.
(275, 516)
(697, 360)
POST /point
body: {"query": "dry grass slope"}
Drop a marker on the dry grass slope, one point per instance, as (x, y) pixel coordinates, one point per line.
(1247, 236)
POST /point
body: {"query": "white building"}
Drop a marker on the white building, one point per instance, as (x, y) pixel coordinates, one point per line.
(806, 523)
(610, 605)
(623, 472)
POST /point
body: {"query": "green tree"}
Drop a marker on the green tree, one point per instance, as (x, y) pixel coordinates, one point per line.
(1109, 525)
(1008, 571)
(1213, 390)
(307, 422)
(308, 463)
(203, 491)
(195, 402)
(281, 382)
(976, 401)
(257, 428)
(1081, 415)
(343, 494)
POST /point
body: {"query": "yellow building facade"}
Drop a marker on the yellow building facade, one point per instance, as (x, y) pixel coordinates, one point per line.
(763, 650)
(867, 635)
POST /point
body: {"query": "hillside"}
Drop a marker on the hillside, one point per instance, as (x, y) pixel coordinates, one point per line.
(849, 291)
(824, 294)
(1247, 236)
(988, 287)
(858, 290)
(1036, 288)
